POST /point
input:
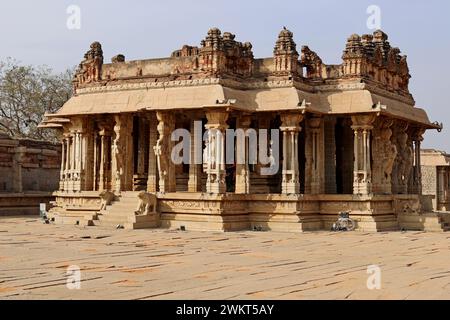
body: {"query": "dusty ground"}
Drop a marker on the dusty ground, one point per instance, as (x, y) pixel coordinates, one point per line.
(162, 264)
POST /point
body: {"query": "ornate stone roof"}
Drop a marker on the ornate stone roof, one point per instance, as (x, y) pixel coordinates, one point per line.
(373, 77)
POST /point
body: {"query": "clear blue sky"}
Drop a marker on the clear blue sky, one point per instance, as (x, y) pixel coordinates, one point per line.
(35, 32)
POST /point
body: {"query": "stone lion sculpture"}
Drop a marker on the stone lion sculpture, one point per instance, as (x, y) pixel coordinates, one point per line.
(412, 207)
(107, 197)
(147, 203)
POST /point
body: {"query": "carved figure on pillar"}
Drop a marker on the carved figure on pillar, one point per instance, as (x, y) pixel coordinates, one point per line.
(406, 164)
(385, 152)
(166, 169)
(118, 152)
(160, 152)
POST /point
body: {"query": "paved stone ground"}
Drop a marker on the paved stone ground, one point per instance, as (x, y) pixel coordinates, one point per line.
(163, 264)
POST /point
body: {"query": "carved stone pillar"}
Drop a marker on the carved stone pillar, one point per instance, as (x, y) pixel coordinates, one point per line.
(105, 136)
(73, 153)
(72, 156)
(63, 165)
(87, 157)
(242, 155)
(101, 185)
(77, 159)
(118, 154)
(417, 138)
(362, 172)
(128, 165)
(405, 158)
(163, 149)
(330, 155)
(315, 157)
(263, 124)
(67, 162)
(95, 138)
(385, 153)
(141, 154)
(215, 168)
(441, 182)
(290, 127)
(77, 173)
(195, 163)
(152, 182)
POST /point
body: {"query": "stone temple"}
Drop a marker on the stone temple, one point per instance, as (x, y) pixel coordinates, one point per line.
(349, 139)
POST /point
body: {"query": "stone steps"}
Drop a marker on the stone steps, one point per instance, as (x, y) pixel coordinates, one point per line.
(122, 212)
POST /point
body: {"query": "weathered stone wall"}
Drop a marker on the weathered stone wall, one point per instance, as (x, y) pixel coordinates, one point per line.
(429, 180)
(27, 165)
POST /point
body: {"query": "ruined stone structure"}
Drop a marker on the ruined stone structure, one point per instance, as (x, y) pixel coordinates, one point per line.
(29, 173)
(350, 137)
(436, 178)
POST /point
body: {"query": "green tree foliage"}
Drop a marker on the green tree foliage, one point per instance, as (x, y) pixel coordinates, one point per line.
(26, 94)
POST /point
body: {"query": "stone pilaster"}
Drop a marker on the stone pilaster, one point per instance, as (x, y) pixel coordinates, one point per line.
(315, 156)
(242, 156)
(17, 169)
(290, 128)
(215, 154)
(362, 172)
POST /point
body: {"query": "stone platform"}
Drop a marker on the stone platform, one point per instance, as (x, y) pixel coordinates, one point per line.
(168, 264)
(233, 212)
(16, 204)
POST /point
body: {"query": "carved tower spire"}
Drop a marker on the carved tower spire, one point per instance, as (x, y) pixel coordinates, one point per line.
(285, 54)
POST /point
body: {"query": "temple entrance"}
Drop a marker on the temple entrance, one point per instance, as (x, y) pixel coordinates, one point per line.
(274, 181)
(344, 156)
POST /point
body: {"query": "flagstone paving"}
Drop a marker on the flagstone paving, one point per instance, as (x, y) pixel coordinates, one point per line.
(163, 264)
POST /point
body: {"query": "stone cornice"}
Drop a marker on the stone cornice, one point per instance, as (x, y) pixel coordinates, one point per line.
(365, 86)
(230, 83)
(249, 85)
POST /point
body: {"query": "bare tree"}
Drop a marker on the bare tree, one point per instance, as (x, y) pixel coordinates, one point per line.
(26, 94)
